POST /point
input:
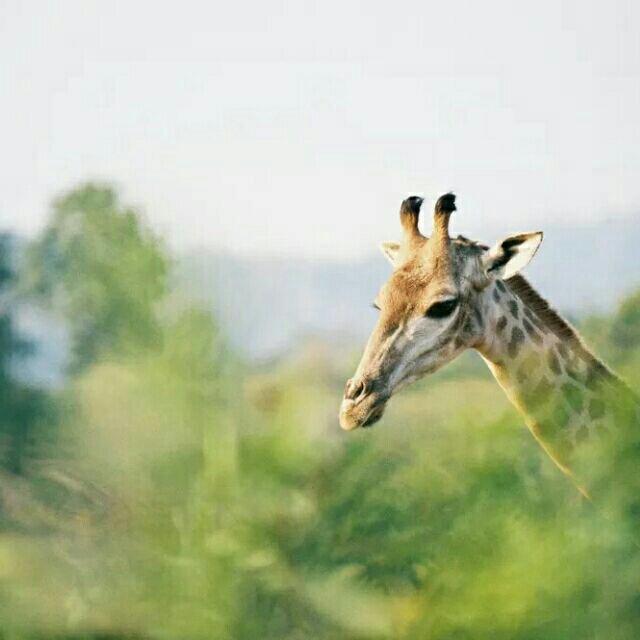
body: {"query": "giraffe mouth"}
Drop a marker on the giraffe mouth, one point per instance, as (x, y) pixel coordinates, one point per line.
(374, 416)
(364, 413)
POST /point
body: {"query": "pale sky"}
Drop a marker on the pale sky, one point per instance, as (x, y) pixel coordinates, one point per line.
(297, 127)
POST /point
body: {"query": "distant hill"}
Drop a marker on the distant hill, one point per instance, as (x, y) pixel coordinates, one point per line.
(266, 305)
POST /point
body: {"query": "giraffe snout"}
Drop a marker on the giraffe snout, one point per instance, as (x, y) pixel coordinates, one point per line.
(363, 403)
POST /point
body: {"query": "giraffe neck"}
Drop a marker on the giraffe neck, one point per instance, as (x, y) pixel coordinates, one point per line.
(545, 369)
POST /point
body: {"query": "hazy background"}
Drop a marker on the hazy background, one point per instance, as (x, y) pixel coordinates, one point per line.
(296, 128)
(191, 198)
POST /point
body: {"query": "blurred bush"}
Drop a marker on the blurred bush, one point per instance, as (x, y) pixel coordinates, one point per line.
(173, 491)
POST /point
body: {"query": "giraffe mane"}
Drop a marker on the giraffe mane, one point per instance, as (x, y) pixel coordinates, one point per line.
(552, 320)
(545, 312)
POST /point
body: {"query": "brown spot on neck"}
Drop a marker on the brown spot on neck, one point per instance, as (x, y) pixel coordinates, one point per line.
(551, 321)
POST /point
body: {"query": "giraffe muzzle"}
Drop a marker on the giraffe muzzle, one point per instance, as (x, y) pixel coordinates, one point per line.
(363, 404)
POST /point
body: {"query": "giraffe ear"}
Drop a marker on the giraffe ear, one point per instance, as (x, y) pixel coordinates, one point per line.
(392, 252)
(512, 254)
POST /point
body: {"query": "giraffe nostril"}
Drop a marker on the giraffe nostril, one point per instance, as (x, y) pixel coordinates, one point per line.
(355, 389)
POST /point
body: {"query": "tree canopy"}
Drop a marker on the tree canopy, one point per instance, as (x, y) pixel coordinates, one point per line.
(103, 270)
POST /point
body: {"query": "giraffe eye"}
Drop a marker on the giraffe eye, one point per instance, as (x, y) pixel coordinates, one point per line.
(442, 309)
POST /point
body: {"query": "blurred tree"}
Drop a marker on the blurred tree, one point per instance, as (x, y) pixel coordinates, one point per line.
(625, 328)
(21, 406)
(103, 270)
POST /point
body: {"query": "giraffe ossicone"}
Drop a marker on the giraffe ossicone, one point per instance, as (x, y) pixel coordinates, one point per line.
(446, 295)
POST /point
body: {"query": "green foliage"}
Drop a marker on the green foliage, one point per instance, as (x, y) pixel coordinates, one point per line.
(191, 496)
(22, 406)
(102, 270)
(625, 328)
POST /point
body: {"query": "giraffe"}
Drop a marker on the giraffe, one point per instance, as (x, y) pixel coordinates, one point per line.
(446, 295)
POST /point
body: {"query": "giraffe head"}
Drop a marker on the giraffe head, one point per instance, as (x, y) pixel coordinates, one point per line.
(430, 309)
